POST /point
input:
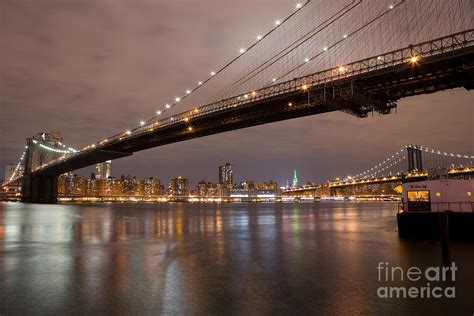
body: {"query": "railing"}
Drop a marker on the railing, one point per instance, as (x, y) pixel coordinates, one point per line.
(451, 43)
(413, 207)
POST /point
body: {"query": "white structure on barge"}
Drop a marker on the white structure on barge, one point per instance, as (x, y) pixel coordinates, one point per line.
(438, 195)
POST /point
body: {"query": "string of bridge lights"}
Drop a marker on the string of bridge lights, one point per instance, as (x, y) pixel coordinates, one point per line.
(18, 166)
(386, 167)
(68, 150)
(242, 51)
(379, 165)
(342, 69)
(377, 168)
(442, 153)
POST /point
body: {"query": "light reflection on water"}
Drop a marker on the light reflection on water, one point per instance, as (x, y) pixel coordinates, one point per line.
(211, 258)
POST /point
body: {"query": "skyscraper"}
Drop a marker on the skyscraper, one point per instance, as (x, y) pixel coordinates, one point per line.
(226, 174)
(103, 170)
(295, 179)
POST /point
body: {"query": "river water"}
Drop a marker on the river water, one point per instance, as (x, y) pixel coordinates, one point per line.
(182, 258)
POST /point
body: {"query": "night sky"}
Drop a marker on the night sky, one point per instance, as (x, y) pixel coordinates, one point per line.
(92, 68)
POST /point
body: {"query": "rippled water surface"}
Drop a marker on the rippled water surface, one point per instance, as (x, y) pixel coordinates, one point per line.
(214, 259)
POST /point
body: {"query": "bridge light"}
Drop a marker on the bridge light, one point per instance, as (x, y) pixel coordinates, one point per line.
(259, 37)
(290, 104)
(246, 96)
(325, 48)
(158, 112)
(344, 36)
(188, 91)
(304, 87)
(341, 69)
(213, 73)
(242, 50)
(299, 5)
(414, 59)
(277, 22)
(142, 123)
(190, 129)
(274, 79)
(167, 106)
(186, 119)
(306, 60)
(177, 99)
(391, 6)
(196, 110)
(254, 93)
(128, 132)
(200, 83)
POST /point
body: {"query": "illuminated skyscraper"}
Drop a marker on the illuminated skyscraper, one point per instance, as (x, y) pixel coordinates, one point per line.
(226, 174)
(103, 170)
(295, 179)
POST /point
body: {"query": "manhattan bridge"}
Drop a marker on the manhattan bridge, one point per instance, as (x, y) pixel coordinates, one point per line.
(354, 56)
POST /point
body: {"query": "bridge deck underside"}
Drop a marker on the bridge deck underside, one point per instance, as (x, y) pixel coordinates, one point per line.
(375, 90)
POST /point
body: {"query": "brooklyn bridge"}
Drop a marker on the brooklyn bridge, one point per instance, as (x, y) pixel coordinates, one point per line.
(358, 57)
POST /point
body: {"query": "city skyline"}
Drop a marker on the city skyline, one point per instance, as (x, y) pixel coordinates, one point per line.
(270, 157)
(273, 150)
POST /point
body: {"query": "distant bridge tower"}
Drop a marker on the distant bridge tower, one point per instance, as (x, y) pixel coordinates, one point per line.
(415, 161)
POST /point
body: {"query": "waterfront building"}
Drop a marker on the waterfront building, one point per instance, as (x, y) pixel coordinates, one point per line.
(208, 189)
(270, 185)
(179, 186)
(152, 186)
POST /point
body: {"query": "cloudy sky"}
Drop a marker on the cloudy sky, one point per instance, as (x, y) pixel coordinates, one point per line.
(92, 68)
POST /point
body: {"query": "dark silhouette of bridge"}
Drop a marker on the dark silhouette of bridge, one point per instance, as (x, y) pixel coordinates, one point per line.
(366, 85)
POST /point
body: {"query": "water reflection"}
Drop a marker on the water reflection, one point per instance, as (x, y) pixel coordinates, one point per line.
(204, 258)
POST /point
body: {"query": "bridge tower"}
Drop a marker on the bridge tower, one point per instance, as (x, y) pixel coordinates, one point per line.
(41, 149)
(414, 158)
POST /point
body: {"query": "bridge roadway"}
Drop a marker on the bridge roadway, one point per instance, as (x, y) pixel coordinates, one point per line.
(372, 84)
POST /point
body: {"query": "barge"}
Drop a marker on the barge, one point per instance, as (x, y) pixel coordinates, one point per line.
(436, 208)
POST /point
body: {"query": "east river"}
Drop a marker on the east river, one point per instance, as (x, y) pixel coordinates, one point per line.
(200, 259)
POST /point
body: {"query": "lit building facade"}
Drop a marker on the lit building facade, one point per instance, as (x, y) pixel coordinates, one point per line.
(152, 187)
(226, 175)
(208, 189)
(103, 170)
(70, 184)
(179, 186)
